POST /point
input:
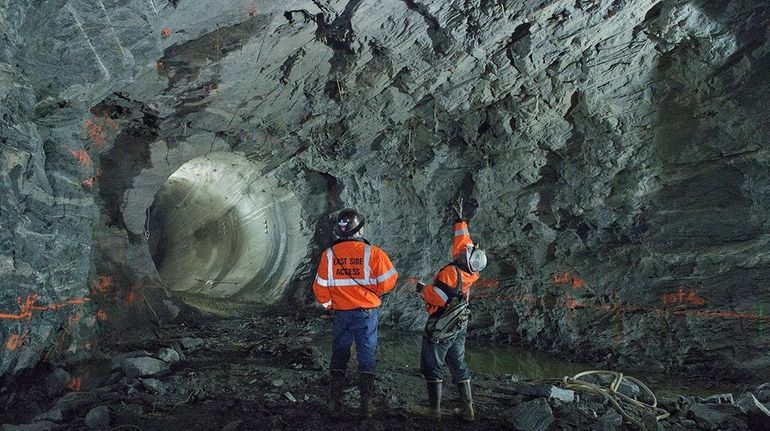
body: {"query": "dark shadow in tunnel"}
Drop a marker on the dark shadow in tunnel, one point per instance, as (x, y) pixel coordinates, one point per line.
(711, 125)
(702, 201)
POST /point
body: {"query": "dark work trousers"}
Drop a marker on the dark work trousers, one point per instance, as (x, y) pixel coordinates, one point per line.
(355, 325)
(450, 351)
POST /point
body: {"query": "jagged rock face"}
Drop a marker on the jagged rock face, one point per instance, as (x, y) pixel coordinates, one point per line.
(611, 154)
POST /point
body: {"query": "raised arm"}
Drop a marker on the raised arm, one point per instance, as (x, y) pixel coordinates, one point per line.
(462, 236)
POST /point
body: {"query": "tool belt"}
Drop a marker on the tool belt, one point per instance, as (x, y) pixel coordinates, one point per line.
(449, 320)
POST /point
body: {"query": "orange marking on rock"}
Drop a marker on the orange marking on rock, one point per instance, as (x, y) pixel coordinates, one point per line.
(28, 306)
(74, 301)
(166, 32)
(16, 340)
(101, 315)
(82, 156)
(251, 9)
(25, 311)
(571, 303)
(102, 283)
(568, 278)
(487, 283)
(577, 283)
(693, 298)
(96, 129)
(682, 297)
(74, 384)
(131, 297)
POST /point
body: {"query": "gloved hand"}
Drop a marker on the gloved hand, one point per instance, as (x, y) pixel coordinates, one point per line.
(458, 207)
(418, 287)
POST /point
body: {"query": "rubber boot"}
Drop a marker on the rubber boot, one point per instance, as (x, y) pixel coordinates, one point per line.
(466, 400)
(336, 383)
(434, 400)
(366, 387)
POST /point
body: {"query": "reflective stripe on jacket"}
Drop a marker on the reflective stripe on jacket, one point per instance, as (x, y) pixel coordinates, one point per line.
(353, 274)
(435, 295)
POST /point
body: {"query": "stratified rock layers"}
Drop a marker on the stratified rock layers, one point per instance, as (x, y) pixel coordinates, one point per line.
(611, 153)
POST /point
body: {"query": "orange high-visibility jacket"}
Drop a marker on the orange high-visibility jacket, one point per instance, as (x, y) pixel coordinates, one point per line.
(434, 296)
(353, 274)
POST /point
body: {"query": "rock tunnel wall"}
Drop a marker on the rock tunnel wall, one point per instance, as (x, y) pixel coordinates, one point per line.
(612, 152)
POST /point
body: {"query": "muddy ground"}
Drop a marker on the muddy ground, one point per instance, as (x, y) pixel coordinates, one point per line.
(269, 371)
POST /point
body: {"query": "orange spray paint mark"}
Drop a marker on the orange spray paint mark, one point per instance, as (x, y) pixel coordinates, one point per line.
(82, 156)
(487, 283)
(567, 278)
(15, 341)
(27, 306)
(74, 384)
(25, 309)
(559, 278)
(572, 303)
(682, 297)
(251, 9)
(96, 129)
(577, 283)
(131, 297)
(102, 284)
(101, 315)
(166, 32)
(75, 301)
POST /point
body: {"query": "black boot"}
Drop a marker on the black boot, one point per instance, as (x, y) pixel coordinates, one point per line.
(366, 387)
(434, 400)
(336, 383)
(466, 400)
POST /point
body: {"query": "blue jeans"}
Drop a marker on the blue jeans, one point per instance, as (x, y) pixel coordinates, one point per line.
(450, 351)
(358, 325)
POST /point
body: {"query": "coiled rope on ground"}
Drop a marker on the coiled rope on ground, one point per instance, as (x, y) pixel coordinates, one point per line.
(624, 404)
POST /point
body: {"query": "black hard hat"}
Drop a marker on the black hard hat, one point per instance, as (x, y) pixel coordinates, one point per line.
(349, 222)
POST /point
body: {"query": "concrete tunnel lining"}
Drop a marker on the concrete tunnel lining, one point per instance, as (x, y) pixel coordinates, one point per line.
(221, 229)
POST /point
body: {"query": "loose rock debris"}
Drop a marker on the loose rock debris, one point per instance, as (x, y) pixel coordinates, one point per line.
(270, 371)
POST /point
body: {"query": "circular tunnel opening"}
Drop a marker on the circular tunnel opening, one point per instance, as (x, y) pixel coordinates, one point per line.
(221, 229)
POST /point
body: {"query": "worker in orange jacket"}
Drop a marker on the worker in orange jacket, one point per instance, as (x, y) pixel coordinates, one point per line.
(352, 276)
(446, 302)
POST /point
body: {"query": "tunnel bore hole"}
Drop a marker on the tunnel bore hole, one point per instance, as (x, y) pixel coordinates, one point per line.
(220, 230)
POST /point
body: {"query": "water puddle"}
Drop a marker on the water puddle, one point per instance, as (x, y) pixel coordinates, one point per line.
(523, 364)
(483, 358)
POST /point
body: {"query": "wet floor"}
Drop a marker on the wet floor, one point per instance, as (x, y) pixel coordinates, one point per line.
(269, 371)
(487, 358)
(517, 363)
(483, 358)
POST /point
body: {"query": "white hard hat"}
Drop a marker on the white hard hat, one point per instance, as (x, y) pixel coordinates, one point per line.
(476, 258)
